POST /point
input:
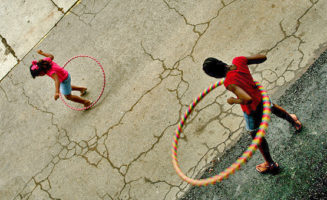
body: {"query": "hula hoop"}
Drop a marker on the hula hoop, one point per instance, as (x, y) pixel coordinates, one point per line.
(241, 160)
(104, 84)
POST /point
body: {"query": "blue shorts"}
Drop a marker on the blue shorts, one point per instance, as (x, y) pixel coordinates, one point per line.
(253, 120)
(65, 86)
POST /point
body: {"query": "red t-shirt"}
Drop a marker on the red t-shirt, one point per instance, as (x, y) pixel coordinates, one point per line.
(242, 77)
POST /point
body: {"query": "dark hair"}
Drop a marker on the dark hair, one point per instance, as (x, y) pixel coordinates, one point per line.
(214, 67)
(43, 66)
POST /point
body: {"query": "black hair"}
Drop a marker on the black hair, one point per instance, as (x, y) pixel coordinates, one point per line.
(214, 67)
(43, 66)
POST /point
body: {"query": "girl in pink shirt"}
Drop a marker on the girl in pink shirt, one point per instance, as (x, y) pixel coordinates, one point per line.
(61, 77)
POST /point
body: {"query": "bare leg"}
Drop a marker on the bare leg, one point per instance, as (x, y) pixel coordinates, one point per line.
(78, 99)
(282, 113)
(264, 148)
(81, 89)
(269, 166)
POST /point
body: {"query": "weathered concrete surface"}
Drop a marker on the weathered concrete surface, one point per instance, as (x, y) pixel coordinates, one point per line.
(152, 53)
(23, 24)
(302, 156)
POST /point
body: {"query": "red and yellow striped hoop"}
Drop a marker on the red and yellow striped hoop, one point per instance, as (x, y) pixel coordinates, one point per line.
(241, 160)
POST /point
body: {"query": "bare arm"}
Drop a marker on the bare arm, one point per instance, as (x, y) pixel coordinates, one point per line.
(256, 59)
(57, 85)
(243, 97)
(45, 54)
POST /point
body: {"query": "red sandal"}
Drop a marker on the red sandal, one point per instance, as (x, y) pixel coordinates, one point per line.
(297, 123)
(264, 168)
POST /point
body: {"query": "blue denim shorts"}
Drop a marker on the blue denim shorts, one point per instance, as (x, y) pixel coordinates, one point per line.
(65, 86)
(253, 120)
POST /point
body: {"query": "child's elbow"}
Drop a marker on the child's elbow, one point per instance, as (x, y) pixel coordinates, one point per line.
(247, 101)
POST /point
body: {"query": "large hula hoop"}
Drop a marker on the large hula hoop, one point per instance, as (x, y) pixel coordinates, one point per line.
(241, 160)
(104, 83)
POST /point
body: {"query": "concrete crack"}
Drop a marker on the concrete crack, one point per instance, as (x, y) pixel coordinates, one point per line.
(298, 23)
(64, 144)
(67, 147)
(141, 97)
(59, 9)
(44, 111)
(27, 190)
(179, 13)
(147, 180)
(128, 187)
(79, 17)
(299, 19)
(153, 58)
(152, 146)
(136, 103)
(9, 49)
(200, 34)
(301, 52)
(41, 177)
(106, 196)
(93, 14)
(282, 28)
(6, 94)
(46, 190)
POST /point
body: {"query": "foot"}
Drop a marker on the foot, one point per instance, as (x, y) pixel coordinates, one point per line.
(83, 91)
(87, 103)
(297, 124)
(266, 167)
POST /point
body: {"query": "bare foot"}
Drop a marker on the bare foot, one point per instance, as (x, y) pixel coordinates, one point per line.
(83, 91)
(297, 124)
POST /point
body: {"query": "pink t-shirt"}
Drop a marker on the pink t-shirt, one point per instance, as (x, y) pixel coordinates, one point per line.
(56, 69)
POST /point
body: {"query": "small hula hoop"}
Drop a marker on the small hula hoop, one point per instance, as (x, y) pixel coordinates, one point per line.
(104, 83)
(241, 160)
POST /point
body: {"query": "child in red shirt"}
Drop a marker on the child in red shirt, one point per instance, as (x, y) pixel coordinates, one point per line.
(239, 81)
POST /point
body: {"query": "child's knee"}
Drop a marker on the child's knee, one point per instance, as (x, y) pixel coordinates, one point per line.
(69, 97)
(252, 133)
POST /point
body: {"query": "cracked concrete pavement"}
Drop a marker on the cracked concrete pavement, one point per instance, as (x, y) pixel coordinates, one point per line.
(152, 53)
(23, 24)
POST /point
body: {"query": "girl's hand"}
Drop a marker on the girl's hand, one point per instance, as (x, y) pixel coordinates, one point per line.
(56, 96)
(231, 100)
(45, 54)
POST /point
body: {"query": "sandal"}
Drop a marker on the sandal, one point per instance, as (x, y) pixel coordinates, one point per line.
(297, 124)
(265, 168)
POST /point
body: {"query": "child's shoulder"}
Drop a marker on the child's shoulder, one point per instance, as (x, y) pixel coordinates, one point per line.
(240, 62)
(48, 59)
(240, 59)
